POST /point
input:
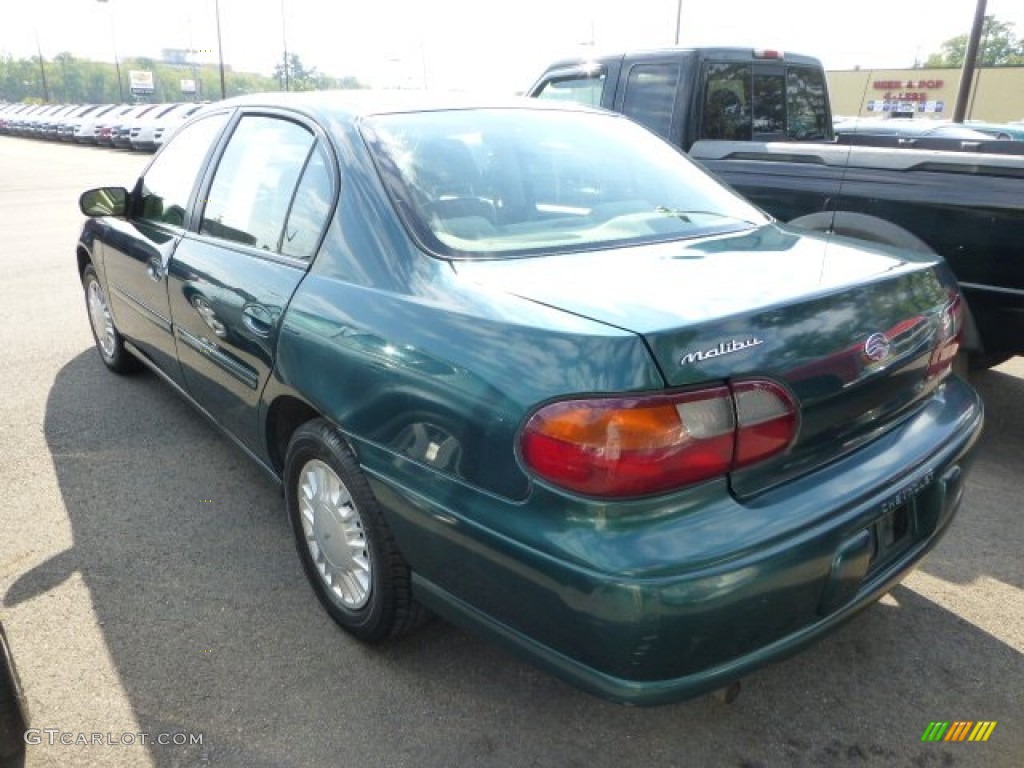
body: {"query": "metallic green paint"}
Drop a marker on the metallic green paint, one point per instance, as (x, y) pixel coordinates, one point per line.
(653, 601)
(226, 305)
(410, 373)
(429, 369)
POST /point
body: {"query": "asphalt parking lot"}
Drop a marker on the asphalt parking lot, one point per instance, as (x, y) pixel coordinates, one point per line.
(149, 585)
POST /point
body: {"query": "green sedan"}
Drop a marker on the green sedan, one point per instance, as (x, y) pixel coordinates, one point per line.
(525, 366)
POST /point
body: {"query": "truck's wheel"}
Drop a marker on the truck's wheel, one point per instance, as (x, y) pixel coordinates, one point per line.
(875, 230)
(346, 547)
(863, 227)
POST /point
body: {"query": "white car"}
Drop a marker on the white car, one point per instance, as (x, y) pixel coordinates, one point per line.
(85, 131)
(121, 135)
(68, 128)
(150, 133)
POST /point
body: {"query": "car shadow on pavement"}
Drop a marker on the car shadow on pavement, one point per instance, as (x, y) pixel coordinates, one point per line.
(985, 540)
(206, 615)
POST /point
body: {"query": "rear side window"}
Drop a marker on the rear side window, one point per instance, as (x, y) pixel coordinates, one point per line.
(651, 96)
(168, 183)
(581, 89)
(255, 182)
(310, 208)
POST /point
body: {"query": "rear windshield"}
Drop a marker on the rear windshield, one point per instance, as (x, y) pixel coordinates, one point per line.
(516, 182)
(764, 102)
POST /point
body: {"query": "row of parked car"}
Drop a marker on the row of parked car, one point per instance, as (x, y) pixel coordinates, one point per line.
(912, 128)
(127, 126)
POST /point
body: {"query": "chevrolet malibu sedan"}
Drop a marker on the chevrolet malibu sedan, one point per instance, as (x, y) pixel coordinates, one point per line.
(525, 366)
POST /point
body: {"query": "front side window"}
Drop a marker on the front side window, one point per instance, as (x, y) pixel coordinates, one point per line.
(514, 182)
(255, 180)
(585, 88)
(651, 96)
(168, 183)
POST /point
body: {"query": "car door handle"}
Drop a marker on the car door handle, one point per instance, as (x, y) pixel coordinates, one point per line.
(258, 319)
(155, 270)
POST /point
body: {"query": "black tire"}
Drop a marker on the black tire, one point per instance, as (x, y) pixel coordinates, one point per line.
(111, 347)
(13, 720)
(336, 561)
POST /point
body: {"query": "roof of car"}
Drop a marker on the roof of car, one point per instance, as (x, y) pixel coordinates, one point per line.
(361, 103)
(745, 54)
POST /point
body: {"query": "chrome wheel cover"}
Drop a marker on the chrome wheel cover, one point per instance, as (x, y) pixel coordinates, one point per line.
(334, 534)
(99, 316)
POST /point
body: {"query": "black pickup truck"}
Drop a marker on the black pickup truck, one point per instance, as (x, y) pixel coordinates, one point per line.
(761, 122)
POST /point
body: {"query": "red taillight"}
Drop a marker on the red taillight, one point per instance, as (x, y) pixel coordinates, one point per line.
(636, 446)
(947, 342)
(766, 421)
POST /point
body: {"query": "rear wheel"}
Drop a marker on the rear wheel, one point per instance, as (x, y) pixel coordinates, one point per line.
(109, 343)
(347, 550)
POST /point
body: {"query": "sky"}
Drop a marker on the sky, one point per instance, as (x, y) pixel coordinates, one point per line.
(482, 45)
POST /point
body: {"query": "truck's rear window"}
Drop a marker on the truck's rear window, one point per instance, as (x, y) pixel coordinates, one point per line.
(509, 182)
(744, 102)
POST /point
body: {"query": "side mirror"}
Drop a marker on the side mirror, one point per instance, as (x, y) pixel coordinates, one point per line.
(105, 201)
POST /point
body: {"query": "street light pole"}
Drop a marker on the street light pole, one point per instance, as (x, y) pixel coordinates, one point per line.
(117, 61)
(220, 50)
(679, 18)
(42, 70)
(284, 42)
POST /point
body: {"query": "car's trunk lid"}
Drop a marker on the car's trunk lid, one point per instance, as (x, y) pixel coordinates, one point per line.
(850, 330)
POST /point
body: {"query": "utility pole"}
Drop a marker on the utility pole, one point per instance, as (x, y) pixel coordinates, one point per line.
(963, 94)
(679, 18)
(42, 70)
(117, 61)
(284, 42)
(220, 50)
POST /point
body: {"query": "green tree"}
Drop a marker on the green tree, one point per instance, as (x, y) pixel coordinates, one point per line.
(297, 77)
(19, 80)
(302, 79)
(78, 81)
(999, 47)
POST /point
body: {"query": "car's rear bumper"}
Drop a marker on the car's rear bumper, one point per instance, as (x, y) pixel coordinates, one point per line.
(665, 599)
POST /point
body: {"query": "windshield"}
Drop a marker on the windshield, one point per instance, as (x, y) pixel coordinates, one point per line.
(515, 182)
